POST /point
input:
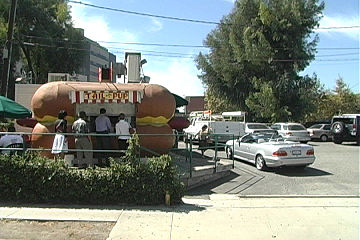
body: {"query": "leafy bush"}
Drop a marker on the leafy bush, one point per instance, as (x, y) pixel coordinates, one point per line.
(32, 178)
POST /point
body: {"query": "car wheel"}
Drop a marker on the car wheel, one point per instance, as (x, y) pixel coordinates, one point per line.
(337, 140)
(260, 163)
(324, 138)
(338, 128)
(229, 153)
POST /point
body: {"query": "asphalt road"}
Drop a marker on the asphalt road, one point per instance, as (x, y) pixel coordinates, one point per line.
(334, 172)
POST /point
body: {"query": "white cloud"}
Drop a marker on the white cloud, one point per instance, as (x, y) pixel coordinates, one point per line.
(156, 25)
(180, 77)
(96, 27)
(340, 21)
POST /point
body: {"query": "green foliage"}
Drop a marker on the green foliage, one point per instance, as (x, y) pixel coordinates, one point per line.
(339, 101)
(5, 124)
(132, 155)
(39, 26)
(31, 178)
(261, 45)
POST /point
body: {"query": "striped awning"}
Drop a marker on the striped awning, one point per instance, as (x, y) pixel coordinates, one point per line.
(106, 96)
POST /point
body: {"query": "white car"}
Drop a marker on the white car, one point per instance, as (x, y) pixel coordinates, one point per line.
(270, 150)
(257, 127)
(292, 132)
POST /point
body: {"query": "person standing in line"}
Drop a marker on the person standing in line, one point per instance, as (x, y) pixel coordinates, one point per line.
(80, 126)
(103, 126)
(60, 144)
(124, 129)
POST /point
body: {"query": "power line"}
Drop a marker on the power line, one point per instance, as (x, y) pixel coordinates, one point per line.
(169, 45)
(124, 43)
(183, 19)
(149, 51)
(145, 14)
(340, 27)
(177, 56)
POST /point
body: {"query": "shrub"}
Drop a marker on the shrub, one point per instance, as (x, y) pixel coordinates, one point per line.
(32, 178)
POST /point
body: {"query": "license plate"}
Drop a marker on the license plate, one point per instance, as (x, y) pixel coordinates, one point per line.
(296, 152)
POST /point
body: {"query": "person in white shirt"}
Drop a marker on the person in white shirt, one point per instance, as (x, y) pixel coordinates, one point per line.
(9, 139)
(124, 129)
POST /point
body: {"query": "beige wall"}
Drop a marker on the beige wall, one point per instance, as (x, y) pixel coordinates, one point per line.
(23, 96)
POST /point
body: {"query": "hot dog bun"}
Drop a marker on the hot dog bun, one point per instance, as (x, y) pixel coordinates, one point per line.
(153, 112)
(156, 106)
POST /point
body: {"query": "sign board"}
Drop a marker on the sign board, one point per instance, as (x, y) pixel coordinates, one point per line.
(106, 96)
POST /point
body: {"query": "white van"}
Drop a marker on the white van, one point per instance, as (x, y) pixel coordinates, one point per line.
(223, 127)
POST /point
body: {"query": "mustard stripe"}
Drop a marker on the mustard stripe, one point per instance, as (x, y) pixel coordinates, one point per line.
(153, 120)
(152, 124)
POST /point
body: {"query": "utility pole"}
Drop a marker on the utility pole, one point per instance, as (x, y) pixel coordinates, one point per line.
(5, 81)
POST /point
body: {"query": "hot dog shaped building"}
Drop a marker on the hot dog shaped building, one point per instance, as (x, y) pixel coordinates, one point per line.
(152, 106)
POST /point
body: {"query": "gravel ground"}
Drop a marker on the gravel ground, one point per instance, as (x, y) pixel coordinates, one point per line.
(54, 230)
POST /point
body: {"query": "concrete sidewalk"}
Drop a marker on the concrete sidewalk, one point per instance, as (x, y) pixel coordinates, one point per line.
(218, 217)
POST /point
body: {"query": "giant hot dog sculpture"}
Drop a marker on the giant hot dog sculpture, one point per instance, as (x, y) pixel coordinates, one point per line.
(155, 107)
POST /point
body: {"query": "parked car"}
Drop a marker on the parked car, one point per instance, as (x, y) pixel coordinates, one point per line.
(292, 132)
(320, 132)
(346, 128)
(270, 150)
(309, 124)
(222, 129)
(257, 127)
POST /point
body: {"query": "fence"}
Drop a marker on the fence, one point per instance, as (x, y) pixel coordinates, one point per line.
(184, 146)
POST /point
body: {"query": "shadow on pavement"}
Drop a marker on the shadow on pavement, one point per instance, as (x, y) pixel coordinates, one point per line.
(299, 172)
(350, 144)
(179, 208)
(204, 190)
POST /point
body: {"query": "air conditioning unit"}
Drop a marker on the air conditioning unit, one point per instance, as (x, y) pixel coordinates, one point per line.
(52, 77)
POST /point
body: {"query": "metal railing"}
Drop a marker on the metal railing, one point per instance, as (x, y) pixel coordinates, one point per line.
(188, 147)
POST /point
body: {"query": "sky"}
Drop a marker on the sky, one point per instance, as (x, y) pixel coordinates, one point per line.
(174, 67)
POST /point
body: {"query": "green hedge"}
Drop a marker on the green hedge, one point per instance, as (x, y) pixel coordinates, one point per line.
(35, 179)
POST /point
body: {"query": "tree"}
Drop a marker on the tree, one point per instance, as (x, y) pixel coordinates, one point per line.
(258, 51)
(335, 102)
(44, 37)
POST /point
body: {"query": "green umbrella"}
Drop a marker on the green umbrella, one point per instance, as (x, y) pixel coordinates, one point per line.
(11, 109)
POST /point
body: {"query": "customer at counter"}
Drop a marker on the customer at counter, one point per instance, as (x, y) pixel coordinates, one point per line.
(103, 126)
(80, 126)
(124, 129)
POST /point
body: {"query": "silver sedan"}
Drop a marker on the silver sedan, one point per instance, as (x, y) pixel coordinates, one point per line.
(270, 150)
(320, 131)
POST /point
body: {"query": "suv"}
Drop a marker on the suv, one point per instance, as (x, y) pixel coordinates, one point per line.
(346, 128)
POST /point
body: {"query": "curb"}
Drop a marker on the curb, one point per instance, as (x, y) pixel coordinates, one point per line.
(299, 196)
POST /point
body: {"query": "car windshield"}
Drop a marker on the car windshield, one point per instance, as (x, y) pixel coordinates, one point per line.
(257, 126)
(317, 126)
(296, 127)
(327, 127)
(266, 137)
(276, 127)
(344, 120)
